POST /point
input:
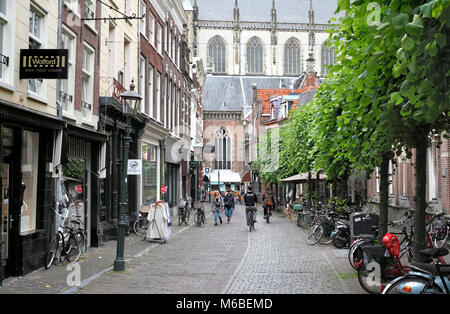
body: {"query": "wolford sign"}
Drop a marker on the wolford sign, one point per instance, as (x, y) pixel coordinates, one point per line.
(43, 63)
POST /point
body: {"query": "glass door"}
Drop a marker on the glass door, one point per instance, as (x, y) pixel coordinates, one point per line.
(5, 211)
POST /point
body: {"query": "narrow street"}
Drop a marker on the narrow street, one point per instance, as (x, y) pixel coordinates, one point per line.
(229, 259)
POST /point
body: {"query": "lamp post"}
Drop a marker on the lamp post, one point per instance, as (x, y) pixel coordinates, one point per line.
(131, 102)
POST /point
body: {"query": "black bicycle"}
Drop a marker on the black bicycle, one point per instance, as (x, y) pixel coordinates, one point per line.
(250, 219)
(199, 216)
(184, 214)
(63, 244)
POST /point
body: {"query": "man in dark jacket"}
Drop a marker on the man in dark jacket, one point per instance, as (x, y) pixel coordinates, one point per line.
(250, 201)
(229, 205)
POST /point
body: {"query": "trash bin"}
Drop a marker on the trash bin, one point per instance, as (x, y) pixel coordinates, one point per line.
(361, 224)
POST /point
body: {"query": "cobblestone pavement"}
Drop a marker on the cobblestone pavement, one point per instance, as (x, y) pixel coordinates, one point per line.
(229, 259)
(220, 259)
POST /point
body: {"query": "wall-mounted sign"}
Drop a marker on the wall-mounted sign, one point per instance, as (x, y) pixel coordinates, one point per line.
(43, 63)
(134, 167)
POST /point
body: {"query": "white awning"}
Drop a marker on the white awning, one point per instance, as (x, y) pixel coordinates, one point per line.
(224, 176)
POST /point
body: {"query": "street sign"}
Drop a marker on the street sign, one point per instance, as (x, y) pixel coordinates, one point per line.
(206, 171)
(163, 188)
(134, 167)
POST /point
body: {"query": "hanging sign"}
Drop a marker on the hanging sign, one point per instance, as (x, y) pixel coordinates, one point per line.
(163, 189)
(43, 63)
(134, 167)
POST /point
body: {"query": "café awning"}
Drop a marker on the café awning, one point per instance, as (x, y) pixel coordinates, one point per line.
(224, 176)
(303, 177)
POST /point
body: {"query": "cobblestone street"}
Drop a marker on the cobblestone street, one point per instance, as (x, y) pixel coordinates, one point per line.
(229, 259)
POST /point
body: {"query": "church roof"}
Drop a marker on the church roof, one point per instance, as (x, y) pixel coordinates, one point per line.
(230, 93)
(288, 11)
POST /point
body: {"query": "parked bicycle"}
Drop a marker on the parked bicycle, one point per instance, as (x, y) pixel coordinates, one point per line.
(199, 216)
(140, 226)
(424, 278)
(184, 213)
(64, 243)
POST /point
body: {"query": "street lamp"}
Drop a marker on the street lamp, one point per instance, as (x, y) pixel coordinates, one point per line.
(131, 102)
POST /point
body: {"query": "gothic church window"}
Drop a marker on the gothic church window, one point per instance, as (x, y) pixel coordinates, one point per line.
(217, 55)
(222, 143)
(328, 58)
(292, 64)
(254, 56)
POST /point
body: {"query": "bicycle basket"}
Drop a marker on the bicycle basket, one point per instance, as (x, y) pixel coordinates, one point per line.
(392, 244)
(375, 253)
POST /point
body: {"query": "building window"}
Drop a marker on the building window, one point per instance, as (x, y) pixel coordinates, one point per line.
(68, 86)
(217, 55)
(7, 21)
(142, 81)
(328, 58)
(223, 149)
(149, 174)
(142, 11)
(30, 155)
(255, 56)
(150, 78)
(292, 57)
(151, 28)
(158, 96)
(87, 86)
(89, 12)
(36, 38)
(159, 38)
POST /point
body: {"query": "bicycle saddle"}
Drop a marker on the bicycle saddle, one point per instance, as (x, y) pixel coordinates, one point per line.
(434, 252)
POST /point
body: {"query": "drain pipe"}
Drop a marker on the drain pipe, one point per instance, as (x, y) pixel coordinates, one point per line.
(59, 113)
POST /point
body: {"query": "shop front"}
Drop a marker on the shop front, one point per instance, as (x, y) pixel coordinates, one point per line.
(152, 165)
(115, 129)
(27, 186)
(81, 178)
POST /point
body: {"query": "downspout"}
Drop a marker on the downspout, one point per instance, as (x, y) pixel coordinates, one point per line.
(59, 113)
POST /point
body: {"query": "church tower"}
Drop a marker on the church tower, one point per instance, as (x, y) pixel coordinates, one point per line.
(273, 31)
(310, 62)
(236, 38)
(195, 29)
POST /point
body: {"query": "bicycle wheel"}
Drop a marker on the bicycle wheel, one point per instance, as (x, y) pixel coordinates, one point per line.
(356, 254)
(180, 219)
(187, 217)
(314, 234)
(53, 248)
(140, 226)
(441, 237)
(371, 279)
(73, 251)
(412, 285)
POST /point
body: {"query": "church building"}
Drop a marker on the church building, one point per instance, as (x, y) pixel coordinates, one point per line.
(248, 44)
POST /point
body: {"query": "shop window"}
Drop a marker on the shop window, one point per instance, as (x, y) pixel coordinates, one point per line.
(30, 155)
(149, 174)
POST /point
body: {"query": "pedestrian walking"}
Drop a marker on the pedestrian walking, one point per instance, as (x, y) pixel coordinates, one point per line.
(217, 207)
(229, 204)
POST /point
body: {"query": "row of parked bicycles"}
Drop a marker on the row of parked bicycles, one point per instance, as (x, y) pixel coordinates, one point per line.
(387, 266)
(186, 210)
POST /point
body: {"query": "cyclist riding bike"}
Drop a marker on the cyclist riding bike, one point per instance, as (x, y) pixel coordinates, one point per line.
(250, 202)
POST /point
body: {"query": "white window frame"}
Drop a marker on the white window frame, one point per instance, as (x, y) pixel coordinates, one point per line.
(150, 77)
(159, 37)
(142, 23)
(70, 82)
(142, 83)
(151, 28)
(158, 96)
(90, 4)
(73, 6)
(40, 93)
(88, 72)
(8, 20)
